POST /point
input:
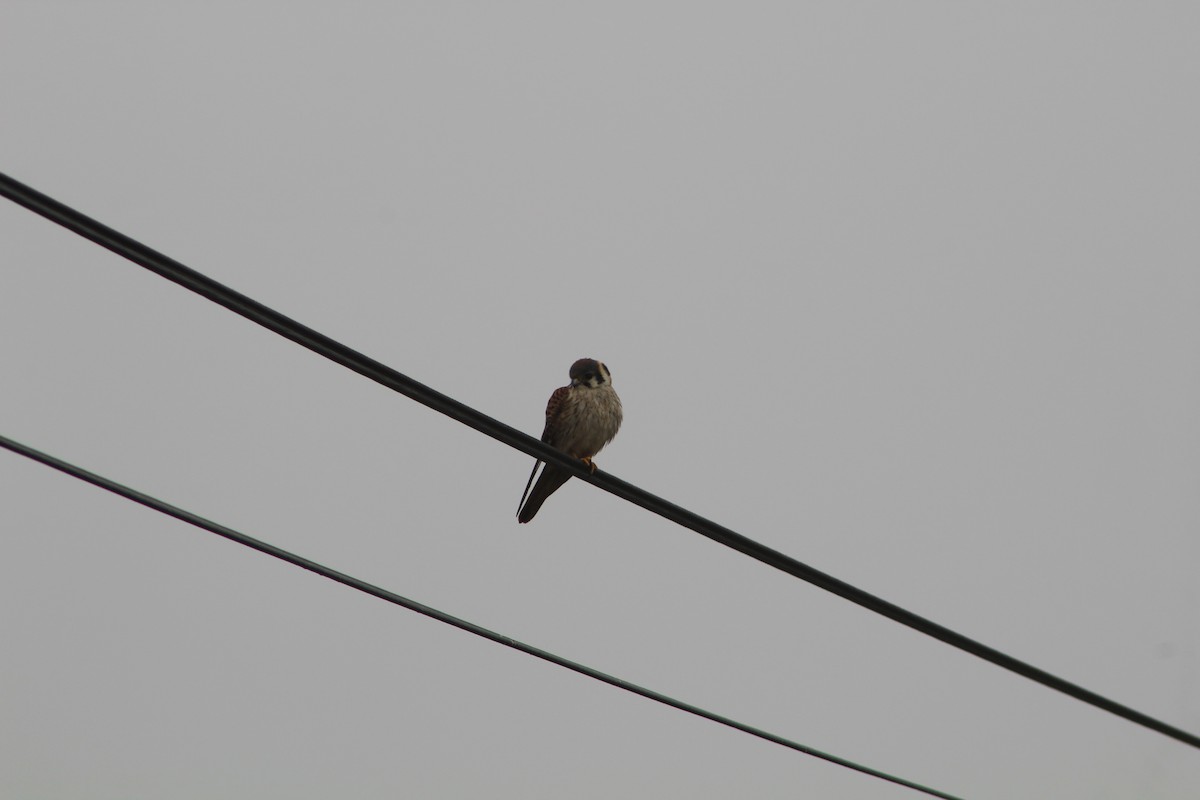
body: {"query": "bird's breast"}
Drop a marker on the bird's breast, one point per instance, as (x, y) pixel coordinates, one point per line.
(590, 421)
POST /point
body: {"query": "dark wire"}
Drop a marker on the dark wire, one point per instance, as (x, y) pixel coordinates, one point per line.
(412, 605)
(319, 343)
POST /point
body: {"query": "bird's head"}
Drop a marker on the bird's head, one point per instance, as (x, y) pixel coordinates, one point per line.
(589, 372)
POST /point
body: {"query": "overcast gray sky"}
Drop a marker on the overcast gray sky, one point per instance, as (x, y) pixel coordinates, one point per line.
(906, 290)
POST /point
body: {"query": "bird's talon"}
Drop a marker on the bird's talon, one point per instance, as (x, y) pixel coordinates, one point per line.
(590, 465)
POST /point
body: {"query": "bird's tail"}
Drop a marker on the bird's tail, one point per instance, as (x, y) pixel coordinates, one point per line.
(551, 479)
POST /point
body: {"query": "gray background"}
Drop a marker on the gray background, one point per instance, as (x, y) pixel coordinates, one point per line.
(906, 290)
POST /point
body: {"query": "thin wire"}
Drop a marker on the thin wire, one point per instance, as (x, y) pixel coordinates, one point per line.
(440, 616)
(319, 343)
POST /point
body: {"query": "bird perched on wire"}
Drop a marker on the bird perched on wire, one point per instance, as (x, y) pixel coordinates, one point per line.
(580, 420)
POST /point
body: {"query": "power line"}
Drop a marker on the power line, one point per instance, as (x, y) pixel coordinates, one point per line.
(381, 373)
(440, 616)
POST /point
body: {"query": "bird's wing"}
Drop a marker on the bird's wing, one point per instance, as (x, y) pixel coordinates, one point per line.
(546, 485)
(528, 483)
(554, 406)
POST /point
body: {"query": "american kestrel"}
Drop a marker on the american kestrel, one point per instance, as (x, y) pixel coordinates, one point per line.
(580, 420)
